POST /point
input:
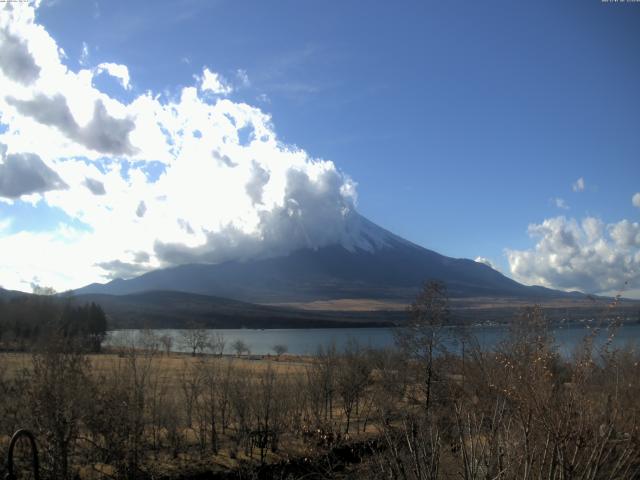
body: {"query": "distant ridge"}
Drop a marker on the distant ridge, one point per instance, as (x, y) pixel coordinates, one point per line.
(171, 309)
(9, 294)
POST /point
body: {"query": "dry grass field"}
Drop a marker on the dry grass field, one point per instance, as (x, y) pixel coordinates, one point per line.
(473, 310)
(182, 394)
(12, 363)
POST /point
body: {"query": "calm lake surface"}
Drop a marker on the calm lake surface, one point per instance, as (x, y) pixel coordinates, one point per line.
(307, 341)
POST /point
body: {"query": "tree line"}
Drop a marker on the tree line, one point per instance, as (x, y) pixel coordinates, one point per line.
(28, 322)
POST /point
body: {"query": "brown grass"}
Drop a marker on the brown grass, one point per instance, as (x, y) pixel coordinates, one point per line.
(13, 363)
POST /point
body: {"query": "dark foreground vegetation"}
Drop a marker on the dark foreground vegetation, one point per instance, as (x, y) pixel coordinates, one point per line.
(517, 411)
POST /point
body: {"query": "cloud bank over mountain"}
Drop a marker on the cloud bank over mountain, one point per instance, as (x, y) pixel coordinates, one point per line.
(150, 182)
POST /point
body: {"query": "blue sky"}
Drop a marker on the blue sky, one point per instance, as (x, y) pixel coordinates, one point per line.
(462, 123)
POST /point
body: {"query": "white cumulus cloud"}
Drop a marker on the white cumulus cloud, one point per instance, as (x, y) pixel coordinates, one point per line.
(214, 82)
(121, 72)
(586, 255)
(486, 261)
(635, 200)
(578, 185)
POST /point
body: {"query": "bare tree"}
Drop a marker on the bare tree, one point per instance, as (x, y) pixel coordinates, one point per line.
(58, 401)
(119, 420)
(280, 349)
(224, 388)
(159, 390)
(240, 400)
(240, 347)
(217, 343)
(212, 383)
(195, 339)
(265, 405)
(190, 386)
(167, 342)
(321, 384)
(149, 340)
(422, 336)
(352, 379)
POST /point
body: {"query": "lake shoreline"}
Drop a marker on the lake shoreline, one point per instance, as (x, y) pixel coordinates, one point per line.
(301, 341)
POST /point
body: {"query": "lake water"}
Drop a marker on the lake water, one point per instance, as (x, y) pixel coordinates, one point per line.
(307, 341)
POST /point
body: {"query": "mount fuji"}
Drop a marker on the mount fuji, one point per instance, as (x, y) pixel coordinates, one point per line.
(366, 262)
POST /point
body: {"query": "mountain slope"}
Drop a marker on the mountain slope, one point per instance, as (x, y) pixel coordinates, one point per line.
(10, 294)
(377, 265)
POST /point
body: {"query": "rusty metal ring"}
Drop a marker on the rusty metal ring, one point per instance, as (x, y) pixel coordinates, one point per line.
(34, 454)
